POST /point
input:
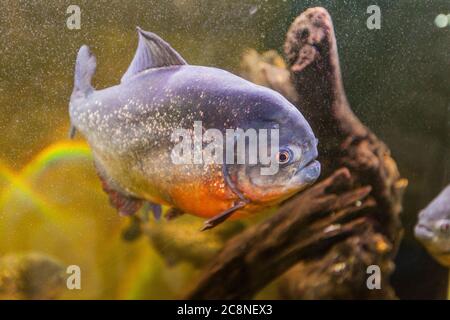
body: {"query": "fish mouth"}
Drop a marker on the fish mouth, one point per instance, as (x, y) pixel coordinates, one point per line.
(309, 172)
(423, 232)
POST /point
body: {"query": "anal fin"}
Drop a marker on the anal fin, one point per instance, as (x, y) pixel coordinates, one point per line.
(126, 205)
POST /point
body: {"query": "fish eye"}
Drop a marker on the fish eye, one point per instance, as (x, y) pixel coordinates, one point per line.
(284, 156)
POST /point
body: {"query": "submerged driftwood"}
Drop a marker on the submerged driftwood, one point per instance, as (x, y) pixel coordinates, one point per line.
(320, 242)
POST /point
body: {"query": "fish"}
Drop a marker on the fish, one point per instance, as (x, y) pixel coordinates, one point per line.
(130, 130)
(433, 227)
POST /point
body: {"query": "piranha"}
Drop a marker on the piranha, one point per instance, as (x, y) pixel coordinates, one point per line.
(130, 127)
(433, 227)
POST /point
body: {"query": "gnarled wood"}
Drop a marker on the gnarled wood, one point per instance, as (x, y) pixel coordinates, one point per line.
(335, 230)
(305, 227)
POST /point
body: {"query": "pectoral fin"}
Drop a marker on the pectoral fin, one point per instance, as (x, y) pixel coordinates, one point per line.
(221, 217)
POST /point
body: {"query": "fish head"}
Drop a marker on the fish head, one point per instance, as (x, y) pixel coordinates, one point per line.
(433, 228)
(293, 165)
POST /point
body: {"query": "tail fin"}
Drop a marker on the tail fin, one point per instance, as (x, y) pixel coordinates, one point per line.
(84, 70)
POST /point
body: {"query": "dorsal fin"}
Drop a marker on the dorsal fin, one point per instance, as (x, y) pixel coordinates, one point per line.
(152, 52)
